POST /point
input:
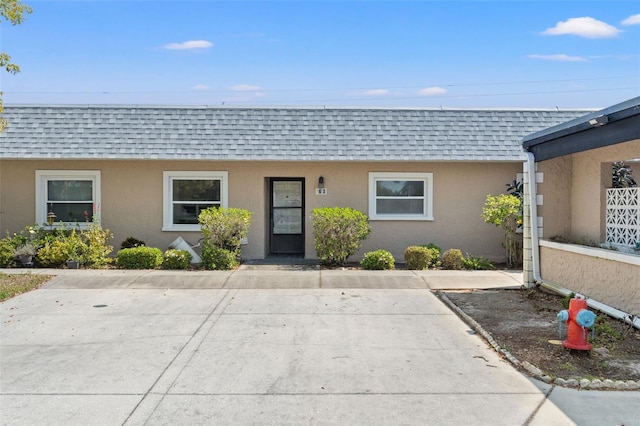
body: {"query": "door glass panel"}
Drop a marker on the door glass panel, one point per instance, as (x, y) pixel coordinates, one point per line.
(287, 194)
(287, 221)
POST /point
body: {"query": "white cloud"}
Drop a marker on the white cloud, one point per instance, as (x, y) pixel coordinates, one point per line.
(200, 87)
(432, 91)
(375, 92)
(560, 58)
(245, 88)
(189, 45)
(584, 27)
(632, 20)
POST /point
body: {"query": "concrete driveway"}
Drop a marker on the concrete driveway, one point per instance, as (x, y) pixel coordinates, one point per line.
(256, 346)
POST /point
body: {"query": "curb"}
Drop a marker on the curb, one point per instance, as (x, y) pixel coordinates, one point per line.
(532, 370)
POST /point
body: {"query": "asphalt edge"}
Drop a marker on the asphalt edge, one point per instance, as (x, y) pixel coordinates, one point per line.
(532, 370)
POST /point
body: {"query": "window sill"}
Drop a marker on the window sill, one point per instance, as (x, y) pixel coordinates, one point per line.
(404, 218)
(182, 228)
(67, 225)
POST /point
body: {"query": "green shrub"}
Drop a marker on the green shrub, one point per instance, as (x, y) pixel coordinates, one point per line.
(63, 246)
(223, 230)
(53, 254)
(25, 242)
(96, 253)
(131, 242)
(378, 260)
(7, 250)
(436, 251)
(416, 257)
(216, 258)
(452, 259)
(139, 258)
(477, 263)
(54, 247)
(176, 259)
(224, 227)
(339, 233)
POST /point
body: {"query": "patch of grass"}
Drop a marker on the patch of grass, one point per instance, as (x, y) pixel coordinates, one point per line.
(591, 377)
(603, 327)
(567, 299)
(14, 284)
(568, 366)
(505, 347)
(605, 334)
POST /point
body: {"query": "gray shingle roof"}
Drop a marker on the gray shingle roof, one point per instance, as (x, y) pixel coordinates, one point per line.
(278, 133)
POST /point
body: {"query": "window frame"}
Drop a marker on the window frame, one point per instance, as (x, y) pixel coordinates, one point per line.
(427, 178)
(41, 210)
(167, 202)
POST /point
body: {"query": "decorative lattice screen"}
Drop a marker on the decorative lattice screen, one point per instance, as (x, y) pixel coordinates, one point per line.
(623, 216)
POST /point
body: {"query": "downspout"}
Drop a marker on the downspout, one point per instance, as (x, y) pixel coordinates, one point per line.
(535, 255)
(533, 217)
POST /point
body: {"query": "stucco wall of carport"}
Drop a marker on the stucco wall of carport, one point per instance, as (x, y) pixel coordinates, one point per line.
(131, 203)
(616, 284)
(574, 191)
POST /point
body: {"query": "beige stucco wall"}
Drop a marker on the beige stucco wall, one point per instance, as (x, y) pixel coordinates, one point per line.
(131, 202)
(574, 191)
(614, 283)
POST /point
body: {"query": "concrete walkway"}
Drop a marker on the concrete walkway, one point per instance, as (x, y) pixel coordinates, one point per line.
(269, 345)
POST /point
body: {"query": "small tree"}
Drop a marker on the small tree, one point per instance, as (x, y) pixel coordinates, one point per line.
(505, 212)
(13, 11)
(339, 233)
(223, 230)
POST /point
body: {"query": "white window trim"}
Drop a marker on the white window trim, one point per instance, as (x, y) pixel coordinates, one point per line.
(42, 176)
(428, 196)
(167, 202)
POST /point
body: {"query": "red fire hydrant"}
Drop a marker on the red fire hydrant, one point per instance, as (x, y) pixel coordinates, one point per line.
(578, 319)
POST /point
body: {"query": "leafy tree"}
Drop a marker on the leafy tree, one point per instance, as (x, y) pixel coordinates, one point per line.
(505, 212)
(13, 11)
(622, 175)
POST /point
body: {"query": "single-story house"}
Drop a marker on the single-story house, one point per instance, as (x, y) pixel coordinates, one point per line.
(422, 175)
(587, 238)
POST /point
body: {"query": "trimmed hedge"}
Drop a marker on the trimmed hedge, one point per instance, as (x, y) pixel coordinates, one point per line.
(452, 259)
(216, 258)
(378, 260)
(417, 257)
(139, 258)
(338, 233)
(223, 230)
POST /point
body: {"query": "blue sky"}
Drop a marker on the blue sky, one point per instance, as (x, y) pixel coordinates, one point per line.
(514, 53)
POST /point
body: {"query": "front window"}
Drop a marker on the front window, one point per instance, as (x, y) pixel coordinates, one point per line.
(187, 194)
(400, 196)
(67, 197)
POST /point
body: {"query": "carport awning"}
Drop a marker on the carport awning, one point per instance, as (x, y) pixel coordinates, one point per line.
(610, 126)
